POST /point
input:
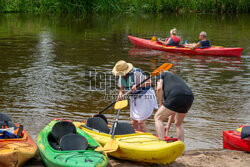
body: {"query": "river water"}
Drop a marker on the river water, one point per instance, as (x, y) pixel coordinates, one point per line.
(45, 62)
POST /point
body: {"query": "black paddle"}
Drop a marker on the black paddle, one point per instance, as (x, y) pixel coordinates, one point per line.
(112, 145)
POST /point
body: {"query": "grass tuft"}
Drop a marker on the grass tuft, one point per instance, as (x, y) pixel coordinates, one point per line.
(108, 6)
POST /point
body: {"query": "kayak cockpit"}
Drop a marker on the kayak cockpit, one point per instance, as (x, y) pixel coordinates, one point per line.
(64, 137)
(99, 125)
(62, 144)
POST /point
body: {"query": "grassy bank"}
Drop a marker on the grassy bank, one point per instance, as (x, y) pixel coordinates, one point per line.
(90, 6)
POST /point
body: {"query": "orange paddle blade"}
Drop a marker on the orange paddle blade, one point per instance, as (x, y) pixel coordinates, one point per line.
(110, 146)
(153, 39)
(162, 68)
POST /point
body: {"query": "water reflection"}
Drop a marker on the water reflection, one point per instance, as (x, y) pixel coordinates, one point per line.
(44, 59)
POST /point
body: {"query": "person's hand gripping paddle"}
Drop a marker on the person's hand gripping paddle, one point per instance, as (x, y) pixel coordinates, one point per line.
(112, 145)
(158, 71)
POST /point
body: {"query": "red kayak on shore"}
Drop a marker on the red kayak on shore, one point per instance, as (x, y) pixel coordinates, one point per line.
(213, 51)
(232, 140)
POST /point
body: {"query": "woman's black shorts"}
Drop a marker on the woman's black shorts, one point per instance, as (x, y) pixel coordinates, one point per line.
(180, 103)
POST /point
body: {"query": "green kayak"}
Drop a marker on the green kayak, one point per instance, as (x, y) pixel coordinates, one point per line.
(62, 144)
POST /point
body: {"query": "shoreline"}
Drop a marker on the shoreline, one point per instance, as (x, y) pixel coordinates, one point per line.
(204, 158)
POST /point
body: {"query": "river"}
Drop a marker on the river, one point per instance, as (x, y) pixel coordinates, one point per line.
(45, 62)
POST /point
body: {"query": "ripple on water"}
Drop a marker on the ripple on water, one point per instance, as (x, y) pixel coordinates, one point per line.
(44, 73)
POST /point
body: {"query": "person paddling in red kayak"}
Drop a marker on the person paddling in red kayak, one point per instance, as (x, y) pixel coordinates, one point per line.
(143, 99)
(173, 40)
(204, 43)
(175, 99)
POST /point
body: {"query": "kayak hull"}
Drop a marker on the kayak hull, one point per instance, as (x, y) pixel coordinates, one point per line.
(232, 140)
(140, 147)
(213, 51)
(16, 152)
(81, 158)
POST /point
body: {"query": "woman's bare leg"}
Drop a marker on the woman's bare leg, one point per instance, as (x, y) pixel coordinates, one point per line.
(134, 124)
(170, 121)
(179, 125)
(162, 114)
(142, 126)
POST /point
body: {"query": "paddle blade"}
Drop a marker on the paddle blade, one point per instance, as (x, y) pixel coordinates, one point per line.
(121, 104)
(153, 39)
(162, 68)
(239, 130)
(110, 146)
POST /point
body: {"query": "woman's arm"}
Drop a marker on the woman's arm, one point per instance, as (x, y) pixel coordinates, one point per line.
(193, 46)
(159, 92)
(165, 43)
(121, 92)
(138, 78)
(147, 83)
(196, 45)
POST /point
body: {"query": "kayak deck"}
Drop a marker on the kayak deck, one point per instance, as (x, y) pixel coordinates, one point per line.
(15, 152)
(232, 140)
(213, 51)
(140, 147)
(77, 158)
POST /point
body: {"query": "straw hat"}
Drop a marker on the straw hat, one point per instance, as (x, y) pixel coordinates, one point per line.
(122, 68)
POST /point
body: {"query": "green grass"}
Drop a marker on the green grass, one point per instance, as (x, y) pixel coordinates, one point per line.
(101, 6)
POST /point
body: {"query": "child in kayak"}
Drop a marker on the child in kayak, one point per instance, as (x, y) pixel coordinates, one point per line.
(173, 40)
(204, 43)
(143, 99)
(175, 99)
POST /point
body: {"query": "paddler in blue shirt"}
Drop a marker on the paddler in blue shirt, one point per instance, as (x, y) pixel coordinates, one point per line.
(143, 100)
(203, 43)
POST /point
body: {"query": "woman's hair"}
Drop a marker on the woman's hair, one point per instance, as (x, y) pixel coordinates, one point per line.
(173, 31)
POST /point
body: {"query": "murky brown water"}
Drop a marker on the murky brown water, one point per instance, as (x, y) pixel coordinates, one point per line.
(44, 59)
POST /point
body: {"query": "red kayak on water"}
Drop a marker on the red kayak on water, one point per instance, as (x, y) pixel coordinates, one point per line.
(213, 51)
(232, 140)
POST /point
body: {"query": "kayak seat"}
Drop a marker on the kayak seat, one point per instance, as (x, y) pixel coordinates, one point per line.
(5, 121)
(73, 142)
(5, 117)
(53, 143)
(101, 116)
(245, 132)
(124, 128)
(98, 124)
(62, 128)
(4, 124)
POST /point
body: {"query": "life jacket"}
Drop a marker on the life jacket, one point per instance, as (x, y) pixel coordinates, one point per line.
(175, 41)
(6, 134)
(129, 82)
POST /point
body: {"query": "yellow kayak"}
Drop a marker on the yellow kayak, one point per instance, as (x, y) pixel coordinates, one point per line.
(140, 147)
